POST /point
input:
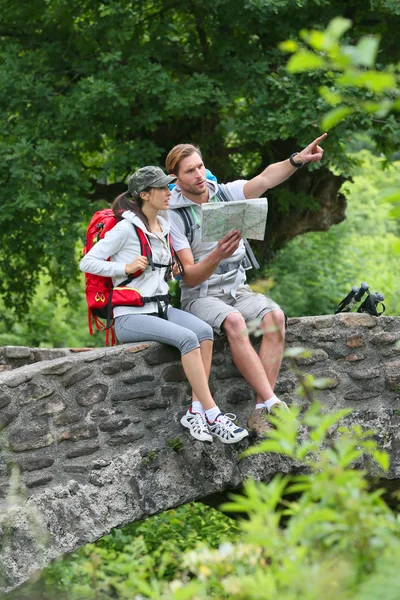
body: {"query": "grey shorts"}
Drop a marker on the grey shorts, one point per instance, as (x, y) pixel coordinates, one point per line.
(214, 309)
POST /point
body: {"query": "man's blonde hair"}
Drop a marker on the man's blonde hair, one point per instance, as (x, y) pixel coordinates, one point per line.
(177, 154)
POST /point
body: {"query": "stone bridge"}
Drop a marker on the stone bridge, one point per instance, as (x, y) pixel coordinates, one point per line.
(96, 443)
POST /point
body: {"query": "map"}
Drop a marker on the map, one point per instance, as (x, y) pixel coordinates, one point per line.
(247, 216)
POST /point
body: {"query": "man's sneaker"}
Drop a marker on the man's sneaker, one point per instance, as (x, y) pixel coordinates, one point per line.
(257, 421)
(225, 429)
(197, 426)
(280, 410)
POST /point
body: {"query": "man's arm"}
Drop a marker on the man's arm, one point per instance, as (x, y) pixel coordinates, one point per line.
(278, 172)
(197, 273)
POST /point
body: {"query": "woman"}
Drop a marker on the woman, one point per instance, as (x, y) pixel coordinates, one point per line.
(147, 195)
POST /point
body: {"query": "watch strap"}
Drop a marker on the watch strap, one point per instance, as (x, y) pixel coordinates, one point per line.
(295, 164)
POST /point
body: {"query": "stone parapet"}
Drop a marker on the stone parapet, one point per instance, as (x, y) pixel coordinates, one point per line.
(97, 442)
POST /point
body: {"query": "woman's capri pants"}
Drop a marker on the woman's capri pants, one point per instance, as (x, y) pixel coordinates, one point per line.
(182, 330)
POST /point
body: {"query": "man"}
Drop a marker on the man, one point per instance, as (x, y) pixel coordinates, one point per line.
(214, 285)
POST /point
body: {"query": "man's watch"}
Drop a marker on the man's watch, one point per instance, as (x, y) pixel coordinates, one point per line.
(298, 165)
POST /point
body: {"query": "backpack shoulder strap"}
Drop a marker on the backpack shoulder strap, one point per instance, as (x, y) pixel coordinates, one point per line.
(221, 195)
(188, 223)
(145, 249)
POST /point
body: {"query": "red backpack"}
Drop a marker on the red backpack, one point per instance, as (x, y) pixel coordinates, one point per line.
(101, 296)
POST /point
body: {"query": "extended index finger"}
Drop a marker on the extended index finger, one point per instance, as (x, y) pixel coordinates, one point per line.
(319, 139)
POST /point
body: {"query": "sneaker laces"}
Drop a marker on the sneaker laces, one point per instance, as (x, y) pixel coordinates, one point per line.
(228, 420)
(198, 422)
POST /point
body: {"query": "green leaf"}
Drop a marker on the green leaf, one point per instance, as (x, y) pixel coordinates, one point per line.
(367, 49)
(337, 27)
(298, 351)
(305, 61)
(329, 96)
(376, 81)
(382, 458)
(288, 46)
(322, 383)
(334, 116)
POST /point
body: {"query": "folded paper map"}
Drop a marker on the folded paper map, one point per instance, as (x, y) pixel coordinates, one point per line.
(247, 216)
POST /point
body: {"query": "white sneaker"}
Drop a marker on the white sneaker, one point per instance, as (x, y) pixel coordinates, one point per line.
(225, 429)
(197, 426)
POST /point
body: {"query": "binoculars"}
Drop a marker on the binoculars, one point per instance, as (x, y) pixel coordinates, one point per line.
(369, 305)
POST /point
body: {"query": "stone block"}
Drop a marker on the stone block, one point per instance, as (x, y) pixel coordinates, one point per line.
(174, 373)
(124, 395)
(355, 341)
(152, 403)
(112, 368)
(317, 355)
(359, 394)
(35, 463)
(5, 398)
(30, 439)
(50, 407)
(158, 355)
(356, 320)
(226, 372)
(17, 352)
(125, 437)
(114, 424)
(368, 373)
(77, 375)
(239, 394)
(170, 391)
(392, 375)
(7, 416)
(134, 348)
(83, 450)
(93, 394)
(354, 357)
(79, 433)
(76, 468)
(383, 338)
(131, 379)
(41, 354)
(18, 378)
(33, 481)
(127, 365)
(67, 418)
(58, 368)
(323, 322)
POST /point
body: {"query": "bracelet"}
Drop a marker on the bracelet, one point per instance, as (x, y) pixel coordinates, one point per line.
(293, 163)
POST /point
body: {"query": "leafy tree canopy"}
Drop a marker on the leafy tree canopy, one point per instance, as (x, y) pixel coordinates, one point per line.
(91, 90)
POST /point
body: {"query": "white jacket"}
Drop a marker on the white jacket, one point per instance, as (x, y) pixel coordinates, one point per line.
(121, 244)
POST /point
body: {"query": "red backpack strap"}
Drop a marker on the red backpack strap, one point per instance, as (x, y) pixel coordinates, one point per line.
(145, 250)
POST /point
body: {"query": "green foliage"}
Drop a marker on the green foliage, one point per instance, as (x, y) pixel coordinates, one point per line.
(53, 320)
(90, 91)
(175, 443)
(115, 565)
(317, 270)
(352, 68)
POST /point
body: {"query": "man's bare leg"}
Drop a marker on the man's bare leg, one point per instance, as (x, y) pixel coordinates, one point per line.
(272, 346)
(245, 357)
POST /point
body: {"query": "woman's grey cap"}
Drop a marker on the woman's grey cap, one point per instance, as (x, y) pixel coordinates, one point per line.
(148, 177)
